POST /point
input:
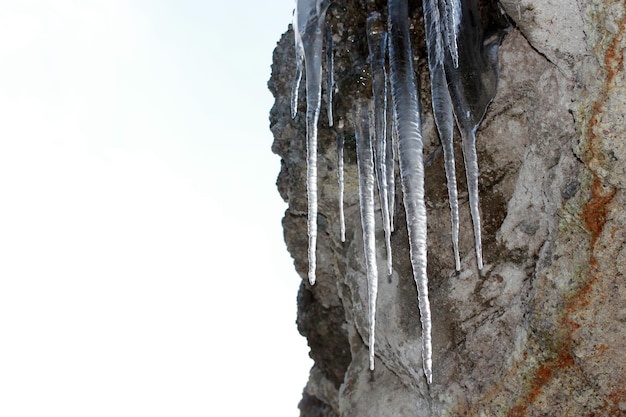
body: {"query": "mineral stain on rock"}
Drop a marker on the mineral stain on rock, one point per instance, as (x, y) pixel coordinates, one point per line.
(542, 330)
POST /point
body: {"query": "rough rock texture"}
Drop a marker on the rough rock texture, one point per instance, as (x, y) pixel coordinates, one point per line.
(542, 330)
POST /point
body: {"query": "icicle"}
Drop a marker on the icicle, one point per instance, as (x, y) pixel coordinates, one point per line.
(342, 219)
(377, 42)
(410, 145)
(451, 27)
(468, 139)
(442, 110)
(310, 16)
(365, 164)
(472, 85)
(330, 81)
(390, 156)
(295, 88)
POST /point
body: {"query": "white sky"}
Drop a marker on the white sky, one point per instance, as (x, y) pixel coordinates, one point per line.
(142, 265)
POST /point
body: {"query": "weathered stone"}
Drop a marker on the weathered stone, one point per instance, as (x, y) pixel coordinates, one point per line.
(541, 331)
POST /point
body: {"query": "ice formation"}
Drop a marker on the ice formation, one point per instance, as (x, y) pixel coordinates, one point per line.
(462, 61)
(390, 164)
(365, 162)
(330, 81)
(436, 30)
(342, 217)
(377, 44)
(309, 35)
(411, 158)
(450, 18)
(472, 83)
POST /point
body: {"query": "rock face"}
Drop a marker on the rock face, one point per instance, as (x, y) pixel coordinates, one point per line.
(541, 331)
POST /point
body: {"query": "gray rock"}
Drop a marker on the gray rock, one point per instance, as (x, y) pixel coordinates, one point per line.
(542, 330)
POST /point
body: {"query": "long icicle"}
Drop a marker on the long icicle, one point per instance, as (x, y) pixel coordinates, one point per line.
(468, 140)
(365, 162)
(342, 218)
(295, 87)
(310, 16)
(410, 145)
(377, 43)
(390, 155)
(451, 19)
(330, 76)
(471, 96)
(442, 111)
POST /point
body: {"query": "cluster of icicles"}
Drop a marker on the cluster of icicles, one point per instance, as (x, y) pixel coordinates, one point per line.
(452, 98)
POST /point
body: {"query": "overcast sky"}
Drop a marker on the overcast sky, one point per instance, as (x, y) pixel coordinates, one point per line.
(142, 265)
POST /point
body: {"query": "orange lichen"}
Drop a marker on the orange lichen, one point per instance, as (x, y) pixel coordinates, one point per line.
(614, 404)
(594, 215)
(596, 210)
(602, 348)
(517, 411)
(541, 377)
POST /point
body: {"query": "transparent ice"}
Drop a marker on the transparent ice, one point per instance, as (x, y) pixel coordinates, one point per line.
(390, 156)
(342, 218)
(308, 27)
(462, 62)
(472, 85)
(365, 162)
(410, 155)
(442, 109)
(451, 22)
(330, 69)
(377, 44)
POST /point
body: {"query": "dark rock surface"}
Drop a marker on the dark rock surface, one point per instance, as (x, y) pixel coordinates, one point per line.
(541, 331)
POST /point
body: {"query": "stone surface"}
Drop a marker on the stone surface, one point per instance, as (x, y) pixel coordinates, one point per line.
(541, 331)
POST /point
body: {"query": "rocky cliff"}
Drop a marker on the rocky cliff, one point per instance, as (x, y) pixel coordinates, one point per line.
(541, 330)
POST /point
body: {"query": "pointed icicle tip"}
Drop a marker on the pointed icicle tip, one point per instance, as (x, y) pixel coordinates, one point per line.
(410, 151)
(310, 15)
